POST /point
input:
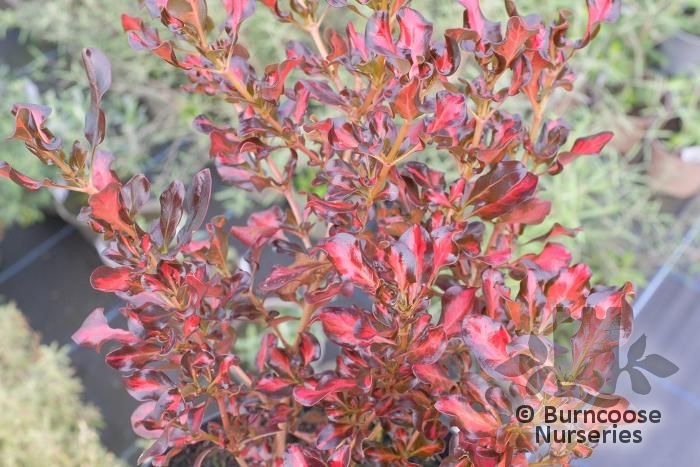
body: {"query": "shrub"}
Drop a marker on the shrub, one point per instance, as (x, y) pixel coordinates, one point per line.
(379, 226)
(42, 419)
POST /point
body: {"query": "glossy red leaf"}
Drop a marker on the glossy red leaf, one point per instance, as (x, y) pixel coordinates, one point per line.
(101, 173)
(196, 204)
(508, 184)
(457, 302)
(274, 385)
(309, 348)
(108, 209)
(108, 279)
(429, 347)
(451, 110)
(310, 396)
(530, 212)
(553, 258)
(346, 255)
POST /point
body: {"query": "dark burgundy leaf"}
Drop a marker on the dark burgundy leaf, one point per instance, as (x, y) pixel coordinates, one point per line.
(508, 184)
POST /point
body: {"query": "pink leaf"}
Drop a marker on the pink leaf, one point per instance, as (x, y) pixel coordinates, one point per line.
(262, 227)
(95, 331)
(479, 424)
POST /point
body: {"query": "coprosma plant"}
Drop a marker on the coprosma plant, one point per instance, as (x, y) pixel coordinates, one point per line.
(407, 388)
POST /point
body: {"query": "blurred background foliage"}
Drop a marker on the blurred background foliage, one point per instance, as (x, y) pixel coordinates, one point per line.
(43, 422)
(624, 84)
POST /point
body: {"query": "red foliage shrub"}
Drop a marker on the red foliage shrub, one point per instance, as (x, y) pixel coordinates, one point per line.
(437, 254)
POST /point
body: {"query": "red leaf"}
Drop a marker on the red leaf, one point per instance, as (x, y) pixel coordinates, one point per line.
(308, 396)
(610, 300)
(296, 456)
(415, 33)
(344, 252)
(553, 258)
(530, 212)
(22, 180)
(487, 339)
(587, 146)
(108, 279)
(147, 384)
(568, 290)
(479, 424)
(274, 385)
(457, 302)
(309, 348)
(332, 435)
(108, 209)
(406, 101)
(508, 184)
(131, 357)
(349, 326)
(429, 347)
(95, 331)
(600, 11)
(517, 34)
(237, 11)
(262, 227)
(378, 34)
(451, 110)
(434, 375)
(340, 457)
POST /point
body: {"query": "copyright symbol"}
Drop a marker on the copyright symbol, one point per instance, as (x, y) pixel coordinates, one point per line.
(525, 414)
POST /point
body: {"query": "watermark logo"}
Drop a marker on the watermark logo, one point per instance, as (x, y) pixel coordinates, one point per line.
(580, 359)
